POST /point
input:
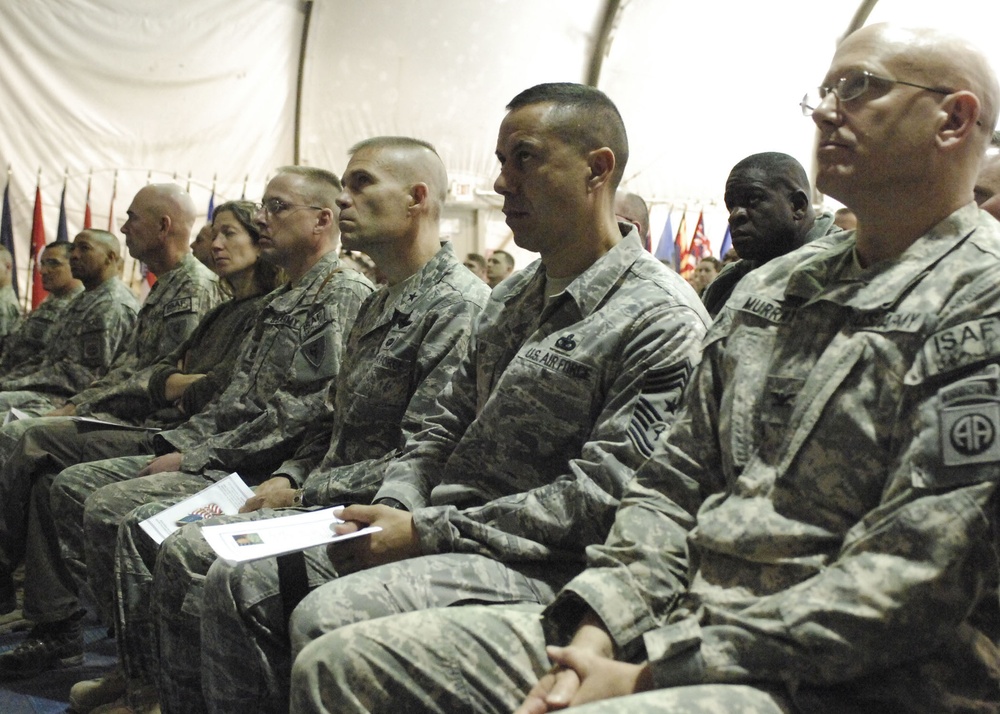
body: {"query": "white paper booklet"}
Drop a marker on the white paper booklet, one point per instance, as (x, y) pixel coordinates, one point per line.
(15, 414)
(113, 424)
(249, 540)
(222, 497)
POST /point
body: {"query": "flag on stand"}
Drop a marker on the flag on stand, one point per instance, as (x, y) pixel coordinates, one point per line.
(62, 234)
(37, 246)
(665, 248)
(679, 242)
(211, 201)
(727, 243)
(7, 233)
(697, 249)
(700, 246)
(111, 209)
(86, 209)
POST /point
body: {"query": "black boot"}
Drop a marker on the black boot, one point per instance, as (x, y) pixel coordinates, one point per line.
(47, 646)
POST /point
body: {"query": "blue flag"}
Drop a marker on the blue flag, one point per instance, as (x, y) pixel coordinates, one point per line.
(7, 235)
(727, 242)
(665, 248)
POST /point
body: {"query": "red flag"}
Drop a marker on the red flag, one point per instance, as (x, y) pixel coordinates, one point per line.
(86, 209)
(679, 242)
(37, 246)
(700, 246)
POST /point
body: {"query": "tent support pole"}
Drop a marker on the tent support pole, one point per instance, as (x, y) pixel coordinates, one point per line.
(602, 42)
(307, 10)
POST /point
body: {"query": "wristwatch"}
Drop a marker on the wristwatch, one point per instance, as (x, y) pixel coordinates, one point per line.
(297, 497)
(391, 503)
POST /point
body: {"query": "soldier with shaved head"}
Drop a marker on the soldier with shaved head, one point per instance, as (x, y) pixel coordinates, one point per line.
(819, 530)
(157, 232)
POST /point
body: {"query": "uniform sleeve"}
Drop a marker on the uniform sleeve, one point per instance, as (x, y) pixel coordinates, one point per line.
(577, 508)
(99, 345)
(441, 350)
(907, 575)
(633, 580)
(267, 440)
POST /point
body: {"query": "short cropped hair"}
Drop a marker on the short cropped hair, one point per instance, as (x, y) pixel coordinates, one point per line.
(780, 168)
(323, 186)
(588, 119)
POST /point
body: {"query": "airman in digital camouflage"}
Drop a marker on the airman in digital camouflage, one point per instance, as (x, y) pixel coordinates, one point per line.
(577, 364)
(818, 532)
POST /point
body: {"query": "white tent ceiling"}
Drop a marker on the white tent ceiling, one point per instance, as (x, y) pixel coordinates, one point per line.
(208, 88)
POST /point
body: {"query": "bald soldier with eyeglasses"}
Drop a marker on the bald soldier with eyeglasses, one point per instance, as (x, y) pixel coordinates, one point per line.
(818, 531)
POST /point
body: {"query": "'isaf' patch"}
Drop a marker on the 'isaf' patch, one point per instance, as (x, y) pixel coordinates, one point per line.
(179, 305)
(962, 345)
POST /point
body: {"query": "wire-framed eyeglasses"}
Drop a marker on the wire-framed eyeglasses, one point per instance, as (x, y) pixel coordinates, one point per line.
(274, 206)
(851, 86)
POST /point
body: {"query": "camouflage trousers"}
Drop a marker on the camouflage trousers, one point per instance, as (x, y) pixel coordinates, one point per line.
(36, 451)
(158, 604)
(247, 648)
(32, 403)
(470, 659)
(89, 502)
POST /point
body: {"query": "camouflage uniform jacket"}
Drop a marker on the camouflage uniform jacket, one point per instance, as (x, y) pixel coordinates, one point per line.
(529, 447)
(280, 380)
(719, 290)
(31, 340)
(400, 354)
(171, 311)
(840, 436)
(10, 312)
(210, 350)
(91, 336)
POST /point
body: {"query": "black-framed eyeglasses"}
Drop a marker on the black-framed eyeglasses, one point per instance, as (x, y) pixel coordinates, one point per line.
(851, 86)
(274, 206)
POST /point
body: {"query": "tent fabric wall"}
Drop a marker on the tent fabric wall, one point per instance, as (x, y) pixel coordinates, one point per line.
(208, 88)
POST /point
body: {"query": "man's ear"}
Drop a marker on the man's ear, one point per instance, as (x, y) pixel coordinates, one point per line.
(418, 196)
(602, 165)
(961, 117)
(800, 204)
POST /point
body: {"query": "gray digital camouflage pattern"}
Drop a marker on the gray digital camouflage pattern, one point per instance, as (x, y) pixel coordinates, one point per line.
(10, 313)
(93, 333)
(277, 390)
(401, 352)
(172, 310)
(520, 465)
(33, 336)
(839, 446)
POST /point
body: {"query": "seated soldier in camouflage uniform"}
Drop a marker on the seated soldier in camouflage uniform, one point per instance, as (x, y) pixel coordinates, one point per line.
(89, 339)
(406, 342)
(10, 310)
(818, 533)
(34, 335)
(157, 232)
(277, 389)
(576, 364)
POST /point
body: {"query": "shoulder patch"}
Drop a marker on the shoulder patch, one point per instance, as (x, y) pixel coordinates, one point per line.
(961, 346)
(969, 419)
(179, 305)
(661, 394)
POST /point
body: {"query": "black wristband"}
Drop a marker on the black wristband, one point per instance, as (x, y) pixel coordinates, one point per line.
(392, 503)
